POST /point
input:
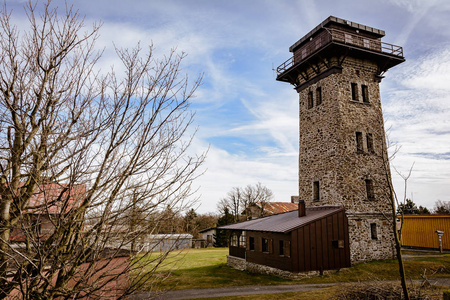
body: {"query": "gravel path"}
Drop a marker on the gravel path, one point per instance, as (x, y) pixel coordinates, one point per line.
(231, 291)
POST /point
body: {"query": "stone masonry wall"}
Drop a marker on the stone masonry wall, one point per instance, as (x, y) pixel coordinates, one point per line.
(329, 155)
(363, 246)
(241, 265)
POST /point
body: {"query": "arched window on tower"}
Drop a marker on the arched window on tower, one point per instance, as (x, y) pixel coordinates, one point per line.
(365, 93)
(310, 100)
(316, 191)
(369, 189)
(369, 139)
(359, 142)
(319, 96)
(355, 92)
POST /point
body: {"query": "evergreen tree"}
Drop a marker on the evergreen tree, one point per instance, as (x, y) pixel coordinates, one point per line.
(408, 208)
(222, 237)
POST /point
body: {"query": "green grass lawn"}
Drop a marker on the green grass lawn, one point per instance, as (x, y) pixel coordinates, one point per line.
(206, 268)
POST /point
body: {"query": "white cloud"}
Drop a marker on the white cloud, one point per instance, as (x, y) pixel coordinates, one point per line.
(225, 171)
(418, 109)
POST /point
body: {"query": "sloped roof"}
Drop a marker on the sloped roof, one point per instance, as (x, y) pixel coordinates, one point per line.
(278, 207)
(51, 198)
(207, 229)
(285, 222)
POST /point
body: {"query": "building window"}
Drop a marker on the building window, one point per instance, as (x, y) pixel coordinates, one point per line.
(373, 231)
(318, 43)
(365, 93)
(281, 248)
(348, 38)
(369, 139)
(355, 92)
(316, 191)
(369, 189)
(318, 96)
(242, 240)
(359, 142)
(251, 243)
(366, 43)
(303, 53)
(287, 248)
(265, 245)
(234, 240)
(310, 100)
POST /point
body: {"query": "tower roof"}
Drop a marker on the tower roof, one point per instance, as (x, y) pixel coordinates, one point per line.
(336, 38)
(341, 22)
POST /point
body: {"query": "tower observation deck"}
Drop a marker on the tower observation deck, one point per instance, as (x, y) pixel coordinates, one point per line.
(337, 38)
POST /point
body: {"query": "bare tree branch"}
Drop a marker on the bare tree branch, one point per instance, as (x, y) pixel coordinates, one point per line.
(82, 152)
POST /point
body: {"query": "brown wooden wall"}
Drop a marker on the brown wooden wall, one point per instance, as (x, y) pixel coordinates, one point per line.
(272, 258)
(420, 231)
(321, 245)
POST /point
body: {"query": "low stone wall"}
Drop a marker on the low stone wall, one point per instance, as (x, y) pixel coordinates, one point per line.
(243, 265)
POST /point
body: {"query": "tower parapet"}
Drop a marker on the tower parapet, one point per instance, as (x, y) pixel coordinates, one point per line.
(323, 50)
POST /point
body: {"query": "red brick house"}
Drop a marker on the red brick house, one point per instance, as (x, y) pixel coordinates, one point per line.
(48, 201)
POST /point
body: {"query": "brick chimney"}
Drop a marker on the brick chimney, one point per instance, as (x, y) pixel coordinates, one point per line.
(301, 208)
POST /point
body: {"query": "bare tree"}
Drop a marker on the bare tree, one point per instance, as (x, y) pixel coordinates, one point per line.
(232, 202)
(86, 151)
(395, 202)
(239, 199)
(256, 194)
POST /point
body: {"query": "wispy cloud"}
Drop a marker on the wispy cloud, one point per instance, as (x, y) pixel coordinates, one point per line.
(250, 121)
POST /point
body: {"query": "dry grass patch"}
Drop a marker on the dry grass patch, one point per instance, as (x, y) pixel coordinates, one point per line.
(384, 290)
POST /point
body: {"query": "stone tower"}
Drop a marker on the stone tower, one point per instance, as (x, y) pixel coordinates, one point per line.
(336, 69)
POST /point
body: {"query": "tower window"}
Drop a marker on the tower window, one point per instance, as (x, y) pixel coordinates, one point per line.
(373, 231)
(355, 91)
(365, 93)
(310, 100)
(318, 96)
(369, 139)
(359, 142)
(316, 191)
(369, 189)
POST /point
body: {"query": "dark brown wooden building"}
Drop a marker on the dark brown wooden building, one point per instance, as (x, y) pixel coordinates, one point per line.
(308, 239)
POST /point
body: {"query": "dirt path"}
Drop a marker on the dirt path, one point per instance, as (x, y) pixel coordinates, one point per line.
(232, 291)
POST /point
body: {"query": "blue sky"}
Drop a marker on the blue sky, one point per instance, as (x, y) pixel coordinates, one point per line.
(249, 121)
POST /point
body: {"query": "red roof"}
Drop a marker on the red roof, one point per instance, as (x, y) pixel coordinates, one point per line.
(278, 207)
(50, 198)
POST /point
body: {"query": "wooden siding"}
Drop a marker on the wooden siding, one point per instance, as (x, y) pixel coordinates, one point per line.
(316, 245)
(272, 258)
(420, 231)
(322, 244)
(237, 251)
